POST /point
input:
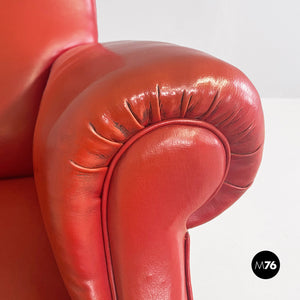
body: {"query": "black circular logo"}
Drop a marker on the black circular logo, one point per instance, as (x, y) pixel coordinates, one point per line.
(265, 264)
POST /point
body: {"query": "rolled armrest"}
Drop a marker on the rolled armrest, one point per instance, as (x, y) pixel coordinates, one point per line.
(135, 143)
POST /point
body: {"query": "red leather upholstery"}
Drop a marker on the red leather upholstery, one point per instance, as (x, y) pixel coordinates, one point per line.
(158, 179)
(28, 270)
(104, 98)
(134, 143)
(33, 34)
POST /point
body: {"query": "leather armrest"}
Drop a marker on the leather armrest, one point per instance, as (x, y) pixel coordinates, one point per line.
(136, 142)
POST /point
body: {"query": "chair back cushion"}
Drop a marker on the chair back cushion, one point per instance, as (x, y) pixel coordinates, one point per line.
(32, 34)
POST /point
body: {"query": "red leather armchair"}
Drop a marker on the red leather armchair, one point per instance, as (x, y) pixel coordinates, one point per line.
(109, 153)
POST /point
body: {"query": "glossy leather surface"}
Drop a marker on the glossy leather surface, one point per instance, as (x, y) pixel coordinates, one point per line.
(33, 34)
(96, 101)
(153, 186)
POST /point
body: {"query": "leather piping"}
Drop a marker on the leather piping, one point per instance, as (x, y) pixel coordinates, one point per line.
(187, 266)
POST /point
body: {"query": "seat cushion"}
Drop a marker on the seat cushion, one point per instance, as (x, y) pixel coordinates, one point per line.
(28, 269)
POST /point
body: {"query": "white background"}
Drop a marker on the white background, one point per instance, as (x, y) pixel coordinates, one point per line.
(262, 39)
(266, 217)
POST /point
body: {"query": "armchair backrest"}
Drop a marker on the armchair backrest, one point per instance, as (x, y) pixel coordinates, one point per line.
(33, 33)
